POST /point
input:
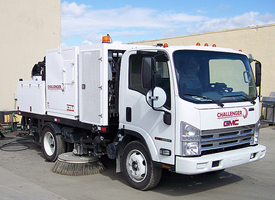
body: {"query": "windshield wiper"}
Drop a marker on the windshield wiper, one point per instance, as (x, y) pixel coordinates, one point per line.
(244, 98)
(207, 98)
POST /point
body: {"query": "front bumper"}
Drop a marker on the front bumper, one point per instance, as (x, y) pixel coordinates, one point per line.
(219, 161)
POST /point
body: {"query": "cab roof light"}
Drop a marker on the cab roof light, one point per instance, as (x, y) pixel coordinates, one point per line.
(162, 45)
(106, 39)
(206, 44)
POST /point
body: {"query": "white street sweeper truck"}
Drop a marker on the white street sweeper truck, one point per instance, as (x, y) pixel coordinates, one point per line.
(186, 109)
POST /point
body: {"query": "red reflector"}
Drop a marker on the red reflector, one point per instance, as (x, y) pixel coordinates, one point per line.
(56, 120)
(103, 128)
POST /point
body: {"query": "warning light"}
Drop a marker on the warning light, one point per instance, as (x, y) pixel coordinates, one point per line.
(214, 45)
(241, 50)
(206, 45)
(165, 45)
(106, 39)
(198, 44)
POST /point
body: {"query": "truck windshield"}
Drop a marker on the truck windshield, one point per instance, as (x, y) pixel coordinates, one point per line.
(214, 77)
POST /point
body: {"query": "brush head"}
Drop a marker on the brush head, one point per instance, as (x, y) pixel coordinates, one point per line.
(72, 165)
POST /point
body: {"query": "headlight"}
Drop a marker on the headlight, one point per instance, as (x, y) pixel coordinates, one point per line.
(190, 148)
(190, 137)
(256, 132)
(190, 131)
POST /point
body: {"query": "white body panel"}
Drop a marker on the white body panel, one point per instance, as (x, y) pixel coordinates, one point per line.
(31, 96)
(146, 121)
(62, 82)
(93, 85)
(245, 113)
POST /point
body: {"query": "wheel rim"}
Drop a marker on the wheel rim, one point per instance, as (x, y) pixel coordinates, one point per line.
(136, 166)
(49, 143)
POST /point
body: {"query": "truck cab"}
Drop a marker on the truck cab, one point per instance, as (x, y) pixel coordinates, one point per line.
(195, 109)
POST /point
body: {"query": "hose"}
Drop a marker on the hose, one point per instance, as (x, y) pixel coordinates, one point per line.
(13, 116)
(17, 144)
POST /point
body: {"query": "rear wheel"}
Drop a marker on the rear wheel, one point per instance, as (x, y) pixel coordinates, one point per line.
(138, 168)
(52, 144)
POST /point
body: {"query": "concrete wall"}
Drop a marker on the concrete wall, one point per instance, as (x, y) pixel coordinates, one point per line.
(28, 28)
(258, 41)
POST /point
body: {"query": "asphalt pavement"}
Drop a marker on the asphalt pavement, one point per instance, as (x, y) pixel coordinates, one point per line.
(26, 175)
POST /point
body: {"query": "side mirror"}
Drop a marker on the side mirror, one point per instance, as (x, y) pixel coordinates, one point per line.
(147, 72)
(258, 73)
(156, 98)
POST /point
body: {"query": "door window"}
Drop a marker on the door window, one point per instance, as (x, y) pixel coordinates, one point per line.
(162, 76)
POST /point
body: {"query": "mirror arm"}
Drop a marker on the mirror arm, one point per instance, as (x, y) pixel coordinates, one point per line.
(167, 117)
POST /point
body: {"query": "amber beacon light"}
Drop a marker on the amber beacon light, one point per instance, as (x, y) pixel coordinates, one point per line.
(106, 39)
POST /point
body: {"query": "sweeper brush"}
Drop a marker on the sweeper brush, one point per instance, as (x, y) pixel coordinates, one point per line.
(69, 164)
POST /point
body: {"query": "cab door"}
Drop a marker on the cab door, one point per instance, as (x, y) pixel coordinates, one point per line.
(137, 117)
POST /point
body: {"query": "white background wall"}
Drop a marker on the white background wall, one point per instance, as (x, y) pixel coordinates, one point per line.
(28, 28)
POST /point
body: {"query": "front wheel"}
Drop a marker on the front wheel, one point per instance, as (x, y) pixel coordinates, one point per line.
(138, 168)
(52, 144)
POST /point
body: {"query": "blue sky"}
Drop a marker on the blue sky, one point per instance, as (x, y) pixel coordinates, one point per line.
(86, 21)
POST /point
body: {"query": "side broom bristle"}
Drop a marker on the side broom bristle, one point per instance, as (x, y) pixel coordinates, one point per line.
(77, 169)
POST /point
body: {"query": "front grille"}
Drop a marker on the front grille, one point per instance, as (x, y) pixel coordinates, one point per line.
(219, 140)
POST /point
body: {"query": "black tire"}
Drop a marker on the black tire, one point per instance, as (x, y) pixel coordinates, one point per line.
(52, 144)
(138, 168)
